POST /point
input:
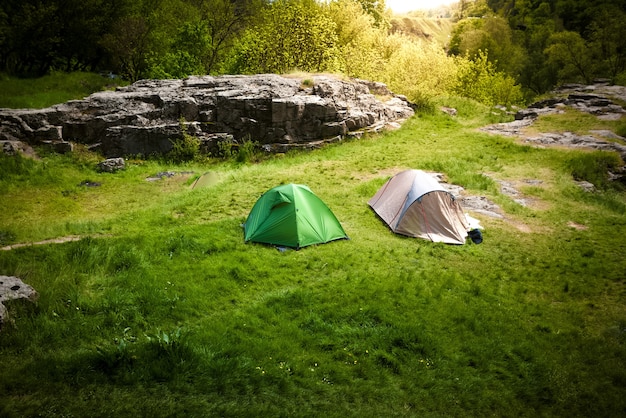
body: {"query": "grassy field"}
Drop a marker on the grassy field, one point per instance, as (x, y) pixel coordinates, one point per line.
(52, 89)
(162, 310)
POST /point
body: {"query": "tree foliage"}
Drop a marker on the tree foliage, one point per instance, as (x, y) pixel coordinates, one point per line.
(225, 20)
(290, 35)
(37, 36)
(569, 51)
(128, 44)
(135, 38)
(479, 79)
(497, 44)
(358, 39)
(542, 43)
(418, 69)
(490, 34)
(608, 41)
(377, 9)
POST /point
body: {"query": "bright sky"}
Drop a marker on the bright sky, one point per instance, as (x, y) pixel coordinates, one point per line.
(403, 6)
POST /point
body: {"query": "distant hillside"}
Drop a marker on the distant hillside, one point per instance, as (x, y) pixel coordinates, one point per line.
(429, 28)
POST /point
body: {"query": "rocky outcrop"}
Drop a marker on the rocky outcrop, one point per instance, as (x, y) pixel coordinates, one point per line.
(596, 99)
(601, 100)
(276, 112)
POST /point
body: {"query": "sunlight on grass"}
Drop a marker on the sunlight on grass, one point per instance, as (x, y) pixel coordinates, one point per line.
(162, 304)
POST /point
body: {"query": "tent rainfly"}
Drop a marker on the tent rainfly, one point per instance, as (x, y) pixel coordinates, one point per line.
(413, 203)
(291, 215)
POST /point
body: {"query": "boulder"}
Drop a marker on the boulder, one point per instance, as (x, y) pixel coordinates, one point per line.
(146, 117)
(14, 288)
(111, 165)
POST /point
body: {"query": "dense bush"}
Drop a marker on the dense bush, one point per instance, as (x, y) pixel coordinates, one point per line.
(289, 35)
(186, 148)
(479, 80)
(418, 69)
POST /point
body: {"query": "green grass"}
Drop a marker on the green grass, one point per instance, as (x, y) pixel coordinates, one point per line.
(162, 309)
(46, 91)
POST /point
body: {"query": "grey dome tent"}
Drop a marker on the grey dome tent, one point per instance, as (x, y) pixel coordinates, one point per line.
(413, 203)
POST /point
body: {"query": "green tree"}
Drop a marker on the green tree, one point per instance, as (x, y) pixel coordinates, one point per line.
(358, 39)
(471, 8)
(478, 79)
(291, 35)
(608, 40)
(82, 24)
(128, 43)
(225, 20)
(590, 48)
(377, 9)
(418, 69)
(38, 36)
(492, 36)
(538, 74)
(569, 51)
(30, 36)
(142, 42)
(184, 56)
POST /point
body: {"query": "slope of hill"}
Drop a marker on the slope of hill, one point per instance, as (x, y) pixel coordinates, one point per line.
(428, 28)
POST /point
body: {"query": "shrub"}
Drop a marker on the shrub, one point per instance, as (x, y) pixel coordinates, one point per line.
(225, 149)
(360, 43)
(419, 70)
(246, 151)
(478, 79)
(186, 148)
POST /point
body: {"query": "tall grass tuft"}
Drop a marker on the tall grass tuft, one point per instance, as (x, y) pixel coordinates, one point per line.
(595, 167)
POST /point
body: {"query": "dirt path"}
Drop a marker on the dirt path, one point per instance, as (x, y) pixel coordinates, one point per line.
(59, 240)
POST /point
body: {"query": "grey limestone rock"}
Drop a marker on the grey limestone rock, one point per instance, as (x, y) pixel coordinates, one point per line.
(271, 110)
(14, 288)
(111, 165)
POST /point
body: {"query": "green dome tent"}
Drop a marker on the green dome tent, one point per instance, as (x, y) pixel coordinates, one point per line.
(291, 215)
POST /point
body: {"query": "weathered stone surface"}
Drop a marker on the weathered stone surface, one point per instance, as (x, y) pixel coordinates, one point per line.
(111, 165)
(13, 288)
(145, 117)
(60, 147)
(597, 100)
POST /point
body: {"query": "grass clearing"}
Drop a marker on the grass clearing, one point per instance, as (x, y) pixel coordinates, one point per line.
(52, 89)
(577, 122)
(164, 310)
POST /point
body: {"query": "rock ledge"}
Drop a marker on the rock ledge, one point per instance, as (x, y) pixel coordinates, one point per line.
(276, 112)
